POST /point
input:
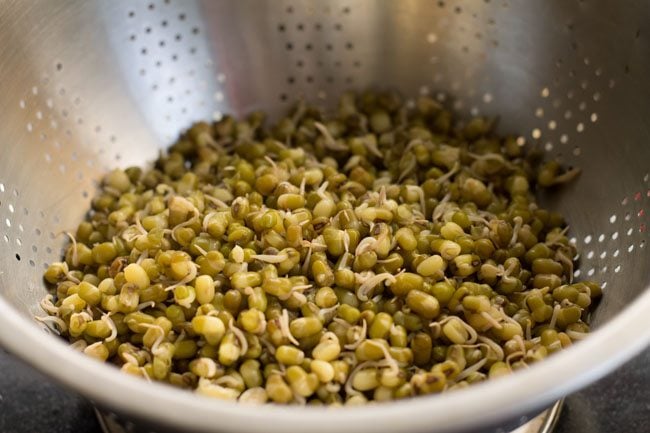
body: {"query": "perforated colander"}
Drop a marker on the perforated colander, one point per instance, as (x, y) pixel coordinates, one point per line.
(90, 85)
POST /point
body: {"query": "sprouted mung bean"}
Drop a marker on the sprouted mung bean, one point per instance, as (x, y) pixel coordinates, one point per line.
(379, 253)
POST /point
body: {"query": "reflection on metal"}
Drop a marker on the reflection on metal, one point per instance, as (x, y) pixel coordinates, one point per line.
(545, 422)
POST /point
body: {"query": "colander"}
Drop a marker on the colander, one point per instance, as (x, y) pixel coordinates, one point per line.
(91, 85)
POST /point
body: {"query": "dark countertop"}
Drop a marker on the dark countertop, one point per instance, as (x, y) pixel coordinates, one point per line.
(30, 403)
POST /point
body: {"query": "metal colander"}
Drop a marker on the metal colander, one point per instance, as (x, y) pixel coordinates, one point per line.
(92, 85)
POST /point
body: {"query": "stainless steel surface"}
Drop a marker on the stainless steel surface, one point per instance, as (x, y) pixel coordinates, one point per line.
(88, 85)
(545, 422)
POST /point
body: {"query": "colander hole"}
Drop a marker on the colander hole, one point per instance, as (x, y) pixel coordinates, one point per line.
(564, 139)
(604, 269)
(630, 231)
(17, 256)
(590, 255)
(603, 254)
(31, 263)
(6, 238)
(615, 253)
(552, 125)
(21, 228)
(591, 272)
(545, 92)
(539, 112)
(587, 239)
(7, 222)
(642, 244)
(576, 273)
(548, 146)
(580, 127)
(11, 208)
(601, 238)
(19, 242)
(630, 248)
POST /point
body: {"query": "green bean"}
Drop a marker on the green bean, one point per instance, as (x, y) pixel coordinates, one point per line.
(325, 259)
